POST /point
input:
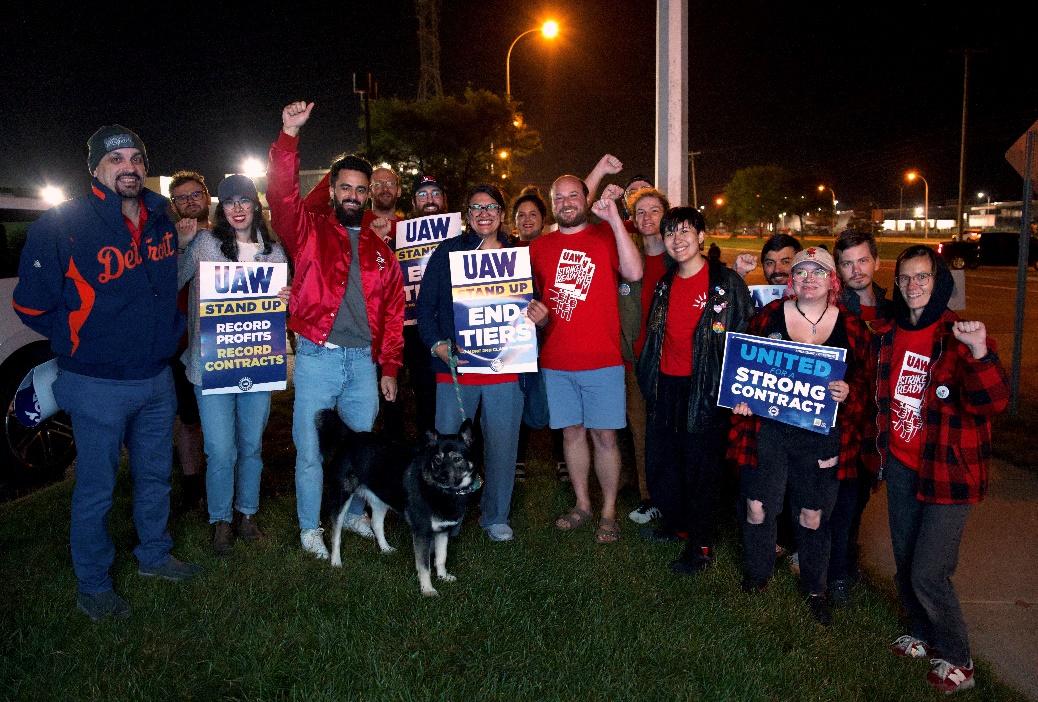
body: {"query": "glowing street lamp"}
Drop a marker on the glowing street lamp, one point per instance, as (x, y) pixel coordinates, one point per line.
(253, 168)
(823, 188)
(549, 30)
(52, 195)
(911, 177)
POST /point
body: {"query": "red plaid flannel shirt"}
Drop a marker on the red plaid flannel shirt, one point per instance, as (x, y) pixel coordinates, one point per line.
(956, 432)
(850, 420)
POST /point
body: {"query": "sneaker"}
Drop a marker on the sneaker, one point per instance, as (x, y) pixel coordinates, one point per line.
(562, 472)
(693, 561)
(840, 593)
(247, 528)
(172, 570)
(102, 604)
(223, 538)
(644, 513)
(820, 609)
(499, 532)
(794, 564)
(908, 646)
(520, 472)
(658, 535)
(313, 542)
(359, 525)
(950, 678)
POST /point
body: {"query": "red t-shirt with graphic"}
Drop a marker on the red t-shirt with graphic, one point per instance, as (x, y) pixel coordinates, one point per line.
(909, 368)
(654, 270)
(577, 276)
(687, 301)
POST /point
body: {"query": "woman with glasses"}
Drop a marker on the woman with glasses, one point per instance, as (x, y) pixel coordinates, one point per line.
(232, 423)
(498, 395)
(938, 383)
(774, 457)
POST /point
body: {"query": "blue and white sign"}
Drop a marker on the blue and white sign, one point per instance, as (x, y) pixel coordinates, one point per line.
(242, 326)
(416, 239)
(491, 291)
(764, 294)
(782, 380)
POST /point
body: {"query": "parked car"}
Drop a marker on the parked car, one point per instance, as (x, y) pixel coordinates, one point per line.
(27, 456)
(994, 248)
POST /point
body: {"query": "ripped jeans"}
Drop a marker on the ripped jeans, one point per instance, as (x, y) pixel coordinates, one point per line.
(788, 458)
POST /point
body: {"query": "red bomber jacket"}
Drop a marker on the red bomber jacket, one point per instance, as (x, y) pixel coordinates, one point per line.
(320, 249)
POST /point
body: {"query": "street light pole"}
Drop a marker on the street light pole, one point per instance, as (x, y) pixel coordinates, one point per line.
(549, 29)
(911, 177)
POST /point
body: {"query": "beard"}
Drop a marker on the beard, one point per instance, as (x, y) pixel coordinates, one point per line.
(349, 217)
(128, 190)
(571, 220)
(385, 201)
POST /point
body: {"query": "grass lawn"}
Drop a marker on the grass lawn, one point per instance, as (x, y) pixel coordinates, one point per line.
(551, 616)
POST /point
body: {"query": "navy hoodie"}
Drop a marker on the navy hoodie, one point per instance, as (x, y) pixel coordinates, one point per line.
(108, 306)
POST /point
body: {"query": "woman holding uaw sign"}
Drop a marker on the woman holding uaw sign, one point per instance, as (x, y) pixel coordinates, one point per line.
(232, 422)
(794, 446)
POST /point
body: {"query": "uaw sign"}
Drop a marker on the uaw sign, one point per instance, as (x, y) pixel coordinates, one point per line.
(491, 291)
(416, 239)
(782, 380)
(241, 322)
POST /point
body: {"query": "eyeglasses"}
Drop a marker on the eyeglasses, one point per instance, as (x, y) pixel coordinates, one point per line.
(377, 185)
(195, 195)
(240, 203)
(921, 279)
(492, 208)
(426, 194)
(805, 273)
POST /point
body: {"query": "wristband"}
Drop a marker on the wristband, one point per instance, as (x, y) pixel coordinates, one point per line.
(438, 344)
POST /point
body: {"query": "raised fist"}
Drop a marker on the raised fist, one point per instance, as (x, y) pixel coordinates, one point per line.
(609, 164)
(612, 192)
(606, 209)
(973, 334)
(295, 116)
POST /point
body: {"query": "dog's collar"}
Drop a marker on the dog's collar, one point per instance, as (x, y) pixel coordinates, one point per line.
(472, 487)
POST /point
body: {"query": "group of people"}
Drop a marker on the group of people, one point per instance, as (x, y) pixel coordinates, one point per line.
(632, 316)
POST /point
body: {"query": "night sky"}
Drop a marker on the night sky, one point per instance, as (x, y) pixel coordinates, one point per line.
(846, 94)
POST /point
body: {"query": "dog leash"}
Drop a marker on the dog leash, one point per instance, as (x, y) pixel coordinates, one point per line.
(452, 363)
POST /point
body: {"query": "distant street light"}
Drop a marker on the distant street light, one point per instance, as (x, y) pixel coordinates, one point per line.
(719, 201)
(253, 168)
(981, 196)
(911, 177)
(549, 30)
(52, 195)
(823, 188)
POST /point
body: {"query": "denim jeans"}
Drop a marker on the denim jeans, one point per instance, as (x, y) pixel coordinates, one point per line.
(105, 414)
(788, 456)
(340, 378)
(926, 539)
(501, 416)
(232, 429)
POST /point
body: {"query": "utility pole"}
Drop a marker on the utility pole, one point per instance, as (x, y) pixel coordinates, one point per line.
(429, 83)
(692, 166)
(672, 91)
(365, 96)
(962, 141)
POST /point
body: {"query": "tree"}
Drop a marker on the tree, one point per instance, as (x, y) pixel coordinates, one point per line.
(458, 139)
(757, 194)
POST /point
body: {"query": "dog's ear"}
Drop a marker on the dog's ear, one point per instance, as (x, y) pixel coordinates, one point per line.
(465, 432)
(431, 437)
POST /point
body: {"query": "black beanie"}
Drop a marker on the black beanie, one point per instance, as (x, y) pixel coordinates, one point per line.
(109, 138)
(236, 186)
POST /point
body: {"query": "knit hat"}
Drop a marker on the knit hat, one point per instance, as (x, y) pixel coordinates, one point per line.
(236, 186)
(109, 138)
(816, 255)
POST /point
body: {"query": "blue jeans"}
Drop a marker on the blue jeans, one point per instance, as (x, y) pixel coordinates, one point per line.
(105, 414)
(325, 378)
(925, 538)
(232, 429)
(501, 416)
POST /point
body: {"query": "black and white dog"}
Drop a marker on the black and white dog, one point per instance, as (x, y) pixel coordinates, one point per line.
(431, 487)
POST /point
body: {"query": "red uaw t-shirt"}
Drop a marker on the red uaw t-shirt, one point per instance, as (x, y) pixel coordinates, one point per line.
(687, 301)
(908, 375)
(577, 275)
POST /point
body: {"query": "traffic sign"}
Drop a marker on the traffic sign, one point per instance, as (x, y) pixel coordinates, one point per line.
(1017, 158)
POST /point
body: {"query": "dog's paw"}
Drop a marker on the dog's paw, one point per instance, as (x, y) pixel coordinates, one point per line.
(431, 592)
(447, 578)
(336, 563)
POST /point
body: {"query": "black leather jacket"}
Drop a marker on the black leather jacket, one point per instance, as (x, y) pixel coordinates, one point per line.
(728, 308)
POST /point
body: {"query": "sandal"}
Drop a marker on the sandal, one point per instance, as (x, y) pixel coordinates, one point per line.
(574, 519)
(608, 531)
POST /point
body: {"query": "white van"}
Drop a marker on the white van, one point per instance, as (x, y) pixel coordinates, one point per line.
(27, 456)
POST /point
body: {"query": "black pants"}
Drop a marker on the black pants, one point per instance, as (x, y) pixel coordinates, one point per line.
(788, 458)
(845, 523)
(419, 377)
(683, 468)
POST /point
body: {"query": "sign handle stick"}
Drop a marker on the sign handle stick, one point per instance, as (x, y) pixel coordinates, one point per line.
(1021, 278)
